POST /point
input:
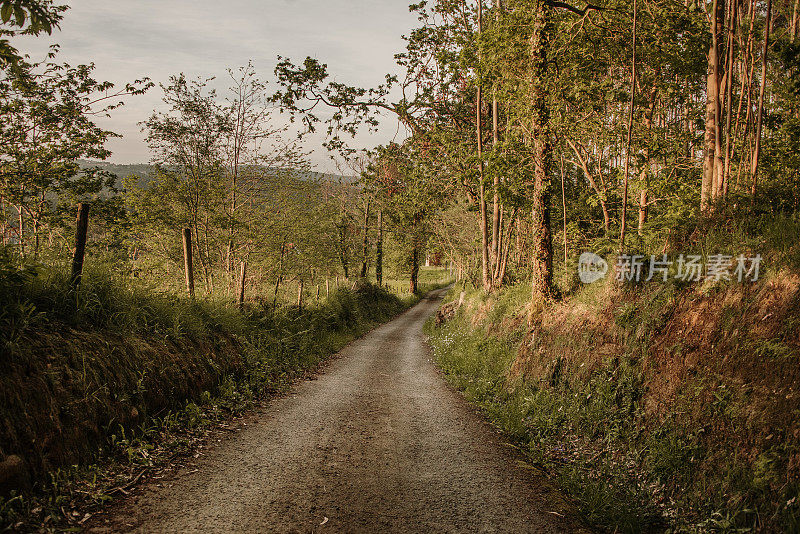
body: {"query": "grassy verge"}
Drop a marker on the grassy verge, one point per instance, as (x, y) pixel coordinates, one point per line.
(102, 384)
(657, 407)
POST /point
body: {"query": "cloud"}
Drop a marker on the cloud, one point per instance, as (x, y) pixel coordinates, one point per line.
(129, 40)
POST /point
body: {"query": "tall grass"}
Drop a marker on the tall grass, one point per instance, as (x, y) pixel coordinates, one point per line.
(688, 459)
(102, 371)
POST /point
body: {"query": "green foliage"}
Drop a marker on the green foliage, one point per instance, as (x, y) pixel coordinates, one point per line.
(46, 123)
(559, 424)
(630, 469)
(25, 17)
(124, 367)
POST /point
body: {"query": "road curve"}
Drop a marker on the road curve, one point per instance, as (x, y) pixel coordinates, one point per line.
(377, 443)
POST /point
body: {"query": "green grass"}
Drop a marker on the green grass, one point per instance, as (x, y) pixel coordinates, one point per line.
(103, 376)
(627, 470)
(547, 419)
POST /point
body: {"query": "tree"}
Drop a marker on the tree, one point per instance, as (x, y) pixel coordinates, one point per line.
(187, 146)
(25, 17)
(251, 145)
(46, 125)
(542, 260)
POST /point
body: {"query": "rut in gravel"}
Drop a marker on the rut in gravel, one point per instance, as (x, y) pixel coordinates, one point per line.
(378, 442)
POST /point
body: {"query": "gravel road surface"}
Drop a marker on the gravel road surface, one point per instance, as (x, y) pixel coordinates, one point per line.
(376, 443)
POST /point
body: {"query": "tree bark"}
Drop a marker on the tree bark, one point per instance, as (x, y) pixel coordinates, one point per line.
(564, 208)
(300, 295)
(496, 281)
(366, 241)
(648, 125)
(761, 92)
(722, 85)
(712, 110)
(507, 246)
(379, 250)
(542, 254)
(4, 221)
(487, 284)
(729, 60)
(343, 258)
(279, 279)
(749, 74)
(496, 244)
(630, 132)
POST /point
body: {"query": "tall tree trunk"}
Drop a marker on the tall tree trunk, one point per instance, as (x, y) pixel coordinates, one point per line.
(4, 221)
(366, 241)
(712, 110)
(542, 254)
(486, 279)
(688, 129)
(644, 180)
(231, 216)
(496, 245)
(36, 238)
(745, 85)
(496, 191)
(761, 92)
(343, 259)
(750, 56)
(379, 250)
(729, 61)
(722, 85)
(630, 134)
(507, 246)
(564, 208)
(496, 282)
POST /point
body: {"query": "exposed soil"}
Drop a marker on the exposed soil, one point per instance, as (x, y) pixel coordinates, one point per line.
(378, 442)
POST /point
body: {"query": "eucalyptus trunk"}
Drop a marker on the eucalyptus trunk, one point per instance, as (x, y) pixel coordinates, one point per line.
(761, 93)
(623, 219)
(711, 139)
(486, 279)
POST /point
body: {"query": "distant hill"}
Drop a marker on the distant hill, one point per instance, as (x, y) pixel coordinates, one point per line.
(144, 171)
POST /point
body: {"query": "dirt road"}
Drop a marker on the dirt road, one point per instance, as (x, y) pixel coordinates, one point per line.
(377, 443)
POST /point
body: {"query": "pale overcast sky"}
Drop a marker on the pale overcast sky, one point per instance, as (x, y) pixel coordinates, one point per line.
(157, 38)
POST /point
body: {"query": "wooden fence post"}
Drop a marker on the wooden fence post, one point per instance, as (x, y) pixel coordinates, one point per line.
(300, 295)
(241, 285)
(187, 260)
(327, 288)
(80, 244)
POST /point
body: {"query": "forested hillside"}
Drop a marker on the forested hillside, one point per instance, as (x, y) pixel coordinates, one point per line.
(615, 187)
